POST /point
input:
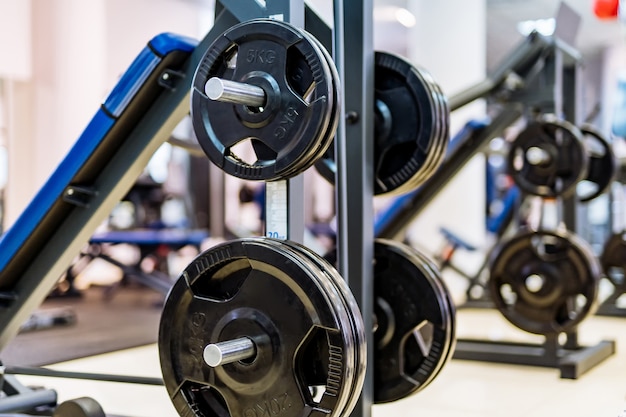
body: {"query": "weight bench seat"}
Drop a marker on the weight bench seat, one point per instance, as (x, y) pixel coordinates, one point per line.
(97, 171)
(150, 242)
(173, 238)
(455, 240)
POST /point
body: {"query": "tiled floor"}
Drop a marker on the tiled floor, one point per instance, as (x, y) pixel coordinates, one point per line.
(463, 388)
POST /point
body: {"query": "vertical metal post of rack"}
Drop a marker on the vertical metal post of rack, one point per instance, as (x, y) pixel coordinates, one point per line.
(284, 202)
(566, 100)
(354, 142)
(217, 216)
(567, 104)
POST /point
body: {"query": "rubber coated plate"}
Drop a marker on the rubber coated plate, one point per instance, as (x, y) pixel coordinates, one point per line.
(544, 282)
(439, 142)
(613, 260)
(326, 139)
(328, 272)
(303, 334)
(410, 127)
(273, 141)
(602, 168)
(548, 158)
(415, 320)
(430, 265)
(79, 407)
(415, 324)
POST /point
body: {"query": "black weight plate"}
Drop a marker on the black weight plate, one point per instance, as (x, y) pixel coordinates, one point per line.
(407, 127)
(565, 162)
(544, 282)
(602, 168)
(613, 259)
(444, 120)
(79, 407)
(415, 325)
(414, 335)
(436, 275)
(301, 329)
(431, 153)
(326, 139)
(439, 143)
(317, 149)
(329, 273)
(277, 57)
(405, 132)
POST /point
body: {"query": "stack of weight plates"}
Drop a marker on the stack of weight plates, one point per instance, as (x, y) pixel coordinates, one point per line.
(415, 320)
(296, 124)
(412, 129)
(335, 281)
(310, 349)
(416, 317)
(411, 133)
(544, 282)
(548, 158)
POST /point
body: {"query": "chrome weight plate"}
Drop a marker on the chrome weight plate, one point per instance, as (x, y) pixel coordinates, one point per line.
(544, 282)
(285, 111)
(548, 158)
(294, 318)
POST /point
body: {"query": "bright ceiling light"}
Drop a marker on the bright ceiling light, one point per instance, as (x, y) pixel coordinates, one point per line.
(543, 26)
(405, 17)
(396, 15)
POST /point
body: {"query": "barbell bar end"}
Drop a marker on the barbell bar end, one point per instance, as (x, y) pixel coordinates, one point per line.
(234, 92)
(222, 353)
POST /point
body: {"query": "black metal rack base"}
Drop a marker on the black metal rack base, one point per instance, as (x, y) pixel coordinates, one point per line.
(611, 310)
(572, 361)
(610, 307)
(477, 303)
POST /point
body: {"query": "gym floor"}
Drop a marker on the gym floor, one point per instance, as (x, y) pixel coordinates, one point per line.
(467, 388)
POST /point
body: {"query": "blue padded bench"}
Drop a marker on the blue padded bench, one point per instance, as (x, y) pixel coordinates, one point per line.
(150, 242)
(173, 238)
(134, 120)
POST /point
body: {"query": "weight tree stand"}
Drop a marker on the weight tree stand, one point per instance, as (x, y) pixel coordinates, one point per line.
(520, 83)
(136, 119)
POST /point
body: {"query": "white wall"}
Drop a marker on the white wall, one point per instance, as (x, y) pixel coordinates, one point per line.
(70, 55)
(15, 32)
(449, 40)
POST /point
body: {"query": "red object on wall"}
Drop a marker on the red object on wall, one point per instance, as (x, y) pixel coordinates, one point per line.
(606, 9)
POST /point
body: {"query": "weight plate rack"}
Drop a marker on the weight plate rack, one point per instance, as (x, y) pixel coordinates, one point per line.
(327, 346)
(287, 114)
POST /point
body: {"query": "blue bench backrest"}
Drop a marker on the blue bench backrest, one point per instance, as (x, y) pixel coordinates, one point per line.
(88, 155)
